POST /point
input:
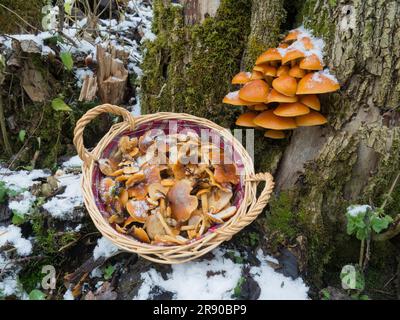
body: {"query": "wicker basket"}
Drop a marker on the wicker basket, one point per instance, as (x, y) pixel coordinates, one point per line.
(249, 206)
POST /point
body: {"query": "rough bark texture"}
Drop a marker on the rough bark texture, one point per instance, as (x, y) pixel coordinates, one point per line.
(319, 171)
(188, 67)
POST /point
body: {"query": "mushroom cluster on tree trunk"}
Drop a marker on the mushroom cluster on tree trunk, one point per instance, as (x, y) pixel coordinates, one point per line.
(281, 91)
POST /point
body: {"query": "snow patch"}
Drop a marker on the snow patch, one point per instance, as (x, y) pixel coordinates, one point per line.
(22, 179)
(356, 210)
(274, 286)
(12, 235)
(217, 278)
(233, 95)
(68, 295)
(62, 205)
(104, 248)
(73, 162)
(24, 204)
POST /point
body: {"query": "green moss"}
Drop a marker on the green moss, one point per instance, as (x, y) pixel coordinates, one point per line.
(381, 182)
(321, 24)
(31, 11)
(188, 68)
(280, 216)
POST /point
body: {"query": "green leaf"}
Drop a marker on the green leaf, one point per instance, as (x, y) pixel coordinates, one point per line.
(68, 6)
(238, 289)
(59, 105)
(21, 135)
(378, 224)
(325, 294)
(66, 58)
(17, 218)
(37, 295)
(3, 192)
(108, 272)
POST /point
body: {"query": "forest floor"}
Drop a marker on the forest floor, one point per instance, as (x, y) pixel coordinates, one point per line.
(43, 221)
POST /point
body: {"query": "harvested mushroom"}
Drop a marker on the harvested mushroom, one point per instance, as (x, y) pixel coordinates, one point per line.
(154, 227)
(218, 199)
(160, 202)
(138, 209)
(157, 191)
(182, 203)
(140, 234)
(226, 172)
(106, 190)
(107, 166)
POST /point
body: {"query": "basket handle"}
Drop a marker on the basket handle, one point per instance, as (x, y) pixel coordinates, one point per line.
(256, 208)
(83, 153)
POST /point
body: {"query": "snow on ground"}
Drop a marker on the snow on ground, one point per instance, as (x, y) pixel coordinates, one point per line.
(217, 279)
(12, 235)
(23, 204)
(73, 162)
(138, 16)
(68, 295)
(62, 205)
(22, 179)
(104, 248)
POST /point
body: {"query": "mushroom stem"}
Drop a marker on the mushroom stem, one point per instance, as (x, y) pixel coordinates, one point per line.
(204, 203)
(165, 225)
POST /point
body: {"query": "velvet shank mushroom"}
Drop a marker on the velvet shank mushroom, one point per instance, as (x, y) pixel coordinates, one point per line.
(269, 120)
(182, 203)
(295, 72)
(254, 91)
(246, 119)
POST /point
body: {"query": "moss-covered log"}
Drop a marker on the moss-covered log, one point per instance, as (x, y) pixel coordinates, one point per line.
(319, 171)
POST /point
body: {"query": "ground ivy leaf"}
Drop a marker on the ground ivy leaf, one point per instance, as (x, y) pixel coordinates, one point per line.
(37, 295)
(66, 58)
(59, 105)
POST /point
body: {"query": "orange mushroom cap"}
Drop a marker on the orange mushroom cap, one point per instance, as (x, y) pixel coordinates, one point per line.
(241, 78)
(257, 75)
(254, 91)
(317, 82)
(292, 36)
(311, 101)
(233, 98)
(283, 45)
(269, 71)
(181, 201)
(282, 71)
(313, 118)
(274, 134)
(307, 43)
(271, 54)
(292, 55)
(259, 68)
(296, 72)
(311, 62)
(260, 107)
(291, 109)
(286, 85)
(246, 119)
(275, 96)
(269, 120)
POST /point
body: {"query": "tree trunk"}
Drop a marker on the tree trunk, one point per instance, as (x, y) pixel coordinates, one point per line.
(319, 171)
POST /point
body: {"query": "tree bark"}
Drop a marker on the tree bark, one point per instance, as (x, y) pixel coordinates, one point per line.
(322, 170)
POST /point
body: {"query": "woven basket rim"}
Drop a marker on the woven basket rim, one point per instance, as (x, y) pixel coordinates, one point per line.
(175, 253)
